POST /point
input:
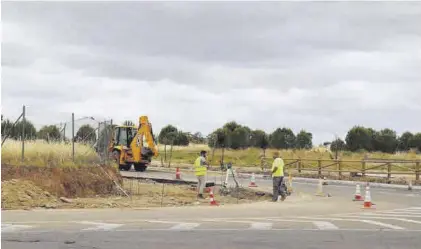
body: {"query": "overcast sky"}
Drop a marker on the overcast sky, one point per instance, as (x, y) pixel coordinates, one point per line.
(319, 66)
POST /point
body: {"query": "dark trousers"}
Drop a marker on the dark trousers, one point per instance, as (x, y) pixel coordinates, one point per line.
(277, 187)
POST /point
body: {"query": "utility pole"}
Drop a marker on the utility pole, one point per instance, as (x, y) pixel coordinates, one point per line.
(23, 132)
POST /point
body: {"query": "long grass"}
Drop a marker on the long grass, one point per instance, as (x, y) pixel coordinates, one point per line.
(252, 156)
(41, 153)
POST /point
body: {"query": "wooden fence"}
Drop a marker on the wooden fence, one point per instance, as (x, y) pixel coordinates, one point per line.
(355, 167)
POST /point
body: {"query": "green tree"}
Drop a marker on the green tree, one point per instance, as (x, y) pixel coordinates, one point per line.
(86, 133)
(359, 138)
(304, 140)
(282, 138)
(415, 141)
(404, 140)
(337, 145)
(181, 139)
(259, 139)
(30, 131)
(167, 134)
(49, 133)
(385, 141)
(239, 138)
(217, 139)
(197, 138)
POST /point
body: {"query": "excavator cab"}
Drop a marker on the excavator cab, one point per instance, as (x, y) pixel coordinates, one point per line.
(133, 145)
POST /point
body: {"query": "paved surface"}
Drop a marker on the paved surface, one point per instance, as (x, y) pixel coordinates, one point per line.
(303, 220)
(395, 228)
(386, 195)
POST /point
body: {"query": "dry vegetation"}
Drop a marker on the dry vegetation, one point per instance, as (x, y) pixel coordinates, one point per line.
(251, 157)
(40, 153)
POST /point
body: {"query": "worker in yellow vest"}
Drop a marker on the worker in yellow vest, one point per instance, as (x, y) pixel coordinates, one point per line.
(200, 168)
(278, 177)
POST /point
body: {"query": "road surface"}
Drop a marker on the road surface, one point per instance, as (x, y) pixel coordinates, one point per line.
(302, 221)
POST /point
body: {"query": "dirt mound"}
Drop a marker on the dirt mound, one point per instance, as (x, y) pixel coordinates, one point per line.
(84, 181)
(17, 194)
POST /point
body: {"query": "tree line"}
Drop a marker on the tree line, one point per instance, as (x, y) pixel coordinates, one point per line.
(49, 133)
(235, 136)
(360, 138)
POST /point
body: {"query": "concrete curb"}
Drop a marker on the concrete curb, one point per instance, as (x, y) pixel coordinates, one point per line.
(342, 182)
(314, 180)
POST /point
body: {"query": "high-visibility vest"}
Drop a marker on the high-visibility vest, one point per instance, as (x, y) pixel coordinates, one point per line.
(199, 170)
(278, 162)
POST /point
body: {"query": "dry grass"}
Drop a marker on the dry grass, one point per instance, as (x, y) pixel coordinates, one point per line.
(41, 153)
(251, 157)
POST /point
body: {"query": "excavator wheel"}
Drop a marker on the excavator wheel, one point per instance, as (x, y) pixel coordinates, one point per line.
(116, 156)
(140, 167)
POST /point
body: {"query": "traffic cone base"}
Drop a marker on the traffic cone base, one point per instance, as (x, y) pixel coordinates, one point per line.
(357, 196)
(177, 173)
(212, 199)
(367, 199)
(253, 181)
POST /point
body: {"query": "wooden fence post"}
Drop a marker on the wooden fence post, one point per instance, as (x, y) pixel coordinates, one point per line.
(339, 168)
(389, 171)
(320, 167)
(363, 167)
(299, 165)
(417, 171)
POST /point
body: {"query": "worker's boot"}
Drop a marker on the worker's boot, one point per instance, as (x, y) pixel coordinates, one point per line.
(200, 196)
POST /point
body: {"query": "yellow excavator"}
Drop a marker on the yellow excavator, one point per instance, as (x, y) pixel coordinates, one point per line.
(131, 145)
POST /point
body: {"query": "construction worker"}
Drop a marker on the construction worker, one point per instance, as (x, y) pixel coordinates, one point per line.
(200, 169)
(277, 177)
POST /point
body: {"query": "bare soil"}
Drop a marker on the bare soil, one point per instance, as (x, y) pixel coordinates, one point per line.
(90, 187)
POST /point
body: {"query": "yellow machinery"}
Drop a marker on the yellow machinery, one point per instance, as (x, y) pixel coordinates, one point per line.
(133, 145)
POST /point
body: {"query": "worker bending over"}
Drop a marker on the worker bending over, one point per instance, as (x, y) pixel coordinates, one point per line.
(278, 177)
(200, 169)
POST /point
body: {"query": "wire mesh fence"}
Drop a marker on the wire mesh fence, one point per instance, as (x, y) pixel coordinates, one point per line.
(79, 139)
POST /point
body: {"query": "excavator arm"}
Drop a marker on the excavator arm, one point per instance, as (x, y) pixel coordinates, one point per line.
(143, 145)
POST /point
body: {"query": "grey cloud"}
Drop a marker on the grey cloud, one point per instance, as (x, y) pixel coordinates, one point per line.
(314, 65)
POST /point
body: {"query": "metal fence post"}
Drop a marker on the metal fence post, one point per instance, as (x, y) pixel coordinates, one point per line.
(73, 137)
(23, 132)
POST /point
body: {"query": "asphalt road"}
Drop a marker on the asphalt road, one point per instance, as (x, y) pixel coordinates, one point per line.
(303, 220)
(385, 196)
(217, 239)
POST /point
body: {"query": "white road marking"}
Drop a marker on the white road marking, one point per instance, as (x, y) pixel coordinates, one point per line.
(390, 215)
(401, 212)
(261, 225)
(185, 226)
(359, 220)
(386, 218)
(383, 224)
(324, 225)
(12, 228)
(100, 226)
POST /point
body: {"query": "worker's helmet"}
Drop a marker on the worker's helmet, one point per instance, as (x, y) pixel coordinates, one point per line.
(276, 154)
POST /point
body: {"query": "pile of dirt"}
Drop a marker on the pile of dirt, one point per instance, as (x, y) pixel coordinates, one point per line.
(84, 181)
(18, 194)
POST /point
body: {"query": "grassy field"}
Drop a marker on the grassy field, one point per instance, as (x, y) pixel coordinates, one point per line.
(40, 153)
(252, 157)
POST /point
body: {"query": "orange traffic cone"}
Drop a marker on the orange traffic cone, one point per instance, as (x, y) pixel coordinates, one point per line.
(212, 199)
(357, 196)
(253, 181)
(367, 198)
(177, 173)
